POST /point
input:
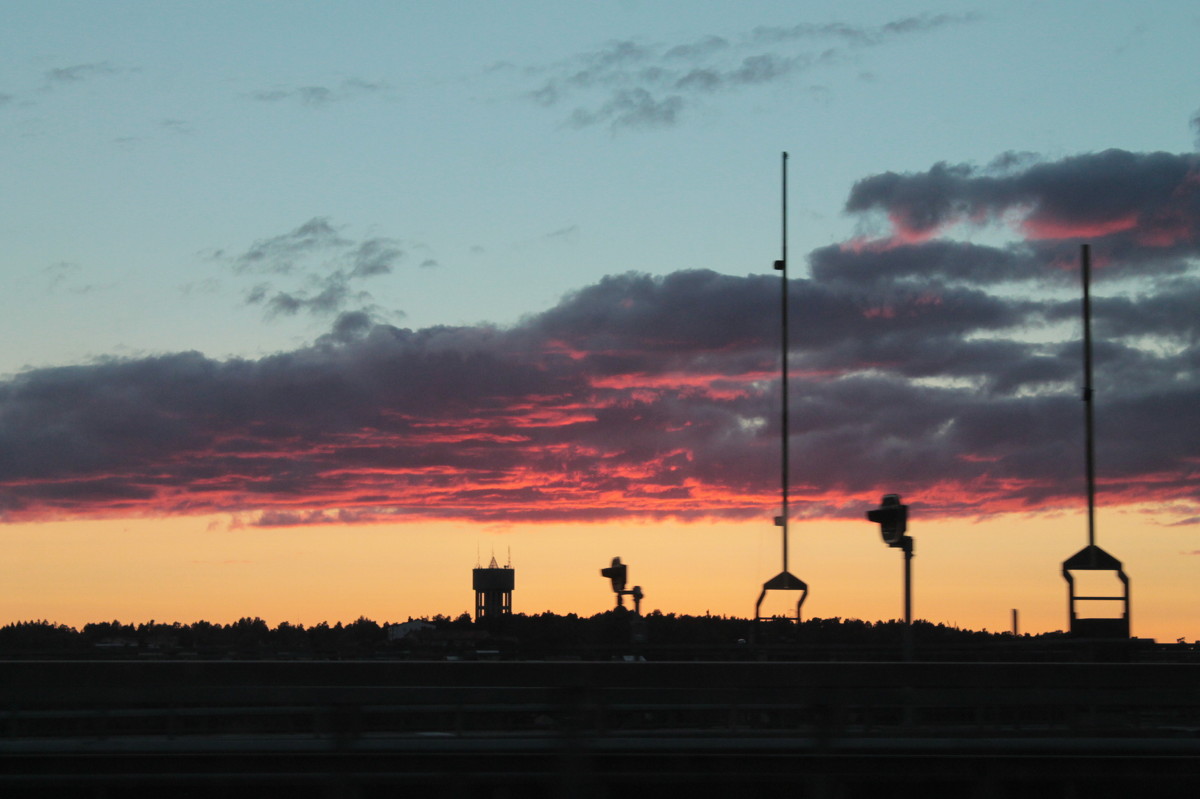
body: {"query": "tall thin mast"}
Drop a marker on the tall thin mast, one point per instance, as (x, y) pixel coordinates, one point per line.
(1087, 394)
(1092, 558)
(782, 267)
(785, 580)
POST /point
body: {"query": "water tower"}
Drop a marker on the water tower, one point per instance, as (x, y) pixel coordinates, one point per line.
(493, 590)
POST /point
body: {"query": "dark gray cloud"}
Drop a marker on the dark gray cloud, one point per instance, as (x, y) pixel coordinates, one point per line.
(322, 270)
(951, 261)
(318, 96)
(699, 50)
(78, 73)
(568, 232)
(631, 108)
(281, 254)
(1145, 203)
(375, 257)
(945, 371)
(862, 35)
(65, 277)
(179, 126)
(331, 294)
(59, 273)
(631, 84)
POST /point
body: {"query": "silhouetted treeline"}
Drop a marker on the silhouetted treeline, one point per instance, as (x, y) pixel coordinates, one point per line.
(247, 637)
(540, 635)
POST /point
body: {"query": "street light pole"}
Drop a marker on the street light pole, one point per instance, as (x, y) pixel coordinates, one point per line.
(892, 518)
(906, 543)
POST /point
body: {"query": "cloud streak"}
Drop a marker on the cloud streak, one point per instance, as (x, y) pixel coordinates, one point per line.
(942, 369)
(79, 73)
(319, 95)
(630, 84)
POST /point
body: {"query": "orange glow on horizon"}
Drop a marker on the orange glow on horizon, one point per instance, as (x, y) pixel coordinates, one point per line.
(968, 574)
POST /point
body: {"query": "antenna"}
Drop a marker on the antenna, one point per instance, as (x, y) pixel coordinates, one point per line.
(1092, 558)
(783, 375)
(1089, 417)
(785, 580)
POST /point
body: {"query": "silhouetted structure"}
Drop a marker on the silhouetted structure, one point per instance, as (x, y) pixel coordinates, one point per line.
(493, 590)
(1093, 558)
(892, 518)
(785, 580)
(618, 573)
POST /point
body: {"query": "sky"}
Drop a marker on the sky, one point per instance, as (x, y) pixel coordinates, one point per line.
(309, 308)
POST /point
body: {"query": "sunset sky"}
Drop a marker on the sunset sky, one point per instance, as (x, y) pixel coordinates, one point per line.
(309, 306)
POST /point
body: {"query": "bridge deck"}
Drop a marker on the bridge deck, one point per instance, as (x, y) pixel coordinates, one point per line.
(551, 728)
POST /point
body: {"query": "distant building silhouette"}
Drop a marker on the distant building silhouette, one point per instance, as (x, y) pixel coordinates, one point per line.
(493, 590)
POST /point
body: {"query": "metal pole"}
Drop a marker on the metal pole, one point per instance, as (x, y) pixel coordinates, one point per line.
(785, 580)
(1087, 393)
(908, 585)
(784, 369)
(907, 543)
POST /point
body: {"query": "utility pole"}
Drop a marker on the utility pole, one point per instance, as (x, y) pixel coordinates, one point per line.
(785, 580)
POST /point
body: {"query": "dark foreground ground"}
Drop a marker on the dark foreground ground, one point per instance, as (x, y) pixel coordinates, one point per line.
(598, 729)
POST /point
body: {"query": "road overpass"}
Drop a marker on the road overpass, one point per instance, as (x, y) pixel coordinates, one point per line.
(550, 729)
